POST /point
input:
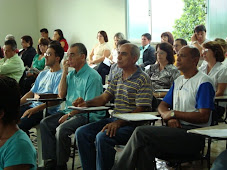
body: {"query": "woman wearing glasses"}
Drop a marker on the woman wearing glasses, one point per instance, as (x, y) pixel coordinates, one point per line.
(213, 54)
(164, 72)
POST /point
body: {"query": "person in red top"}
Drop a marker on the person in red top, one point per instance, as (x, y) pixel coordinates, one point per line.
(58, 36)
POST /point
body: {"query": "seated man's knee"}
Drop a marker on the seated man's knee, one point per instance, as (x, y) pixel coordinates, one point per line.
(43, 121)
(101, 137)
(80, 132)
(60, 131)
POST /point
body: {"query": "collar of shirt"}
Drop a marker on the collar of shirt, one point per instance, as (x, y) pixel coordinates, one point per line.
(144, 47)
(138, 71)
(82, 70)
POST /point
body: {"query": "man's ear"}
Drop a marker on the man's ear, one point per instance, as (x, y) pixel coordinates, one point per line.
(83, 55)
(58, 58)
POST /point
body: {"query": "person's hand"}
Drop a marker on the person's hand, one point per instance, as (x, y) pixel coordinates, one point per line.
(36, 96)
(111, 128)
(66, 65)
(63, 118)
(29, 112)
(79, 102)
(91, 62)
(193, 38)
(174, 123)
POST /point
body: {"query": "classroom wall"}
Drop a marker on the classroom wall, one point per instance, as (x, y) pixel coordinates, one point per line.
(18, 17)
(81, 20)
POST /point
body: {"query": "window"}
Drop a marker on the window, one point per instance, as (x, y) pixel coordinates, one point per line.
(152, 16)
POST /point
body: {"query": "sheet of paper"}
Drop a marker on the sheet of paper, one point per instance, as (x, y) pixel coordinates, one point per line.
(92, 65)
(161, 90)
(89, 108)
(135, 116)
(222, 133)
(107, 61)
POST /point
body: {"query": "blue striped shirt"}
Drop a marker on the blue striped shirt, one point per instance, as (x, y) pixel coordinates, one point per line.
(132, 92)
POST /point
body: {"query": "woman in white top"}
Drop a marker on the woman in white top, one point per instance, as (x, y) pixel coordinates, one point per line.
(100, 50)
(117, 37)
(213, 53)
(223, 43)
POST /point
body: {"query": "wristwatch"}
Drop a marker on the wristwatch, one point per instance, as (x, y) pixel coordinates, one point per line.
(172, 114)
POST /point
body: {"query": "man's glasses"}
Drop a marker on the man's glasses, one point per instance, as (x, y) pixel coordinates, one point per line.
(47, 54)
(73, 54)
(204, 50)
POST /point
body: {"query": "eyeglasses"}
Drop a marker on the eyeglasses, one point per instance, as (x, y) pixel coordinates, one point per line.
(204, 50)
(47, 54)
(73, 54)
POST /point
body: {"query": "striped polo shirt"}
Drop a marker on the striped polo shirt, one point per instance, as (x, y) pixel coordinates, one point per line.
(132, 92)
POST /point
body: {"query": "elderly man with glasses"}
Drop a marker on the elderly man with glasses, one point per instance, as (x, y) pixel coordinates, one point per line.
(56, 129)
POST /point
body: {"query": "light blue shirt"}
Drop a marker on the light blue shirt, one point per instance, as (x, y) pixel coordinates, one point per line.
(85, 83)
(47, 82)
(140, 60)
(17, 150)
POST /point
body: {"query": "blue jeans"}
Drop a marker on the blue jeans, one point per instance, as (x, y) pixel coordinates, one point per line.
(27, 123)
(96, 149)
(220, 162)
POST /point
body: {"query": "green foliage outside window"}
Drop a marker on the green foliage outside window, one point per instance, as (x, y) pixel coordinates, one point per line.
(193, 14)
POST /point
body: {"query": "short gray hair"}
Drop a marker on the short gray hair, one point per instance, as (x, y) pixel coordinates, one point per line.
(9, 37)
(135, 51)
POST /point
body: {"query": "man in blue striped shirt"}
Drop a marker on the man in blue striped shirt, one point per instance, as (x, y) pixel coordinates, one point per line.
(131, 89)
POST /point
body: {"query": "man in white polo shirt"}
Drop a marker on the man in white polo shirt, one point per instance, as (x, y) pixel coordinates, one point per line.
(187, 105)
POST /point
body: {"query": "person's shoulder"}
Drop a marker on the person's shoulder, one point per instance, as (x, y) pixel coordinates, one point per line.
(20, 138)
(44, 72)
(153, 66)
(179, 79)
(171, 67)
(93, 74)
(142, 74)
(203, 78)
(151, 48)
(106, 46)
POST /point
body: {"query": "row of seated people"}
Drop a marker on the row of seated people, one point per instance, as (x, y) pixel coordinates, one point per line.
(188, 104)
(34, 60)
(101, 54)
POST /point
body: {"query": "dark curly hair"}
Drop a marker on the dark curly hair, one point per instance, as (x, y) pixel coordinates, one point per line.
(9, 100)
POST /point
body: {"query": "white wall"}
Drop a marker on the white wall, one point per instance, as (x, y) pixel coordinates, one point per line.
(80, 20)
(18, 17)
